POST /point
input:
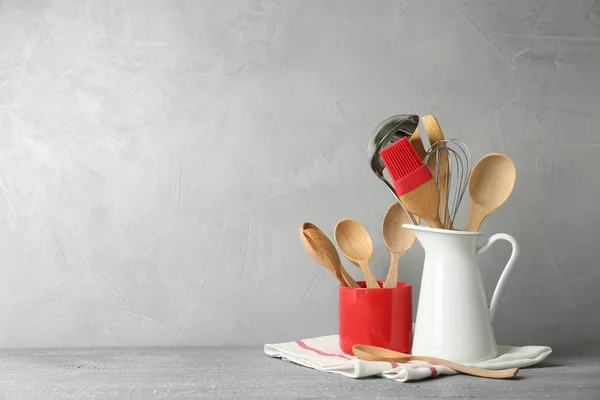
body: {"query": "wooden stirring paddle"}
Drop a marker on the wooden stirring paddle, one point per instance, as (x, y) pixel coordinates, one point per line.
(374, 353)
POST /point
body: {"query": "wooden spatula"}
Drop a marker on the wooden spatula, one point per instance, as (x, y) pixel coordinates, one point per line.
(434, 134)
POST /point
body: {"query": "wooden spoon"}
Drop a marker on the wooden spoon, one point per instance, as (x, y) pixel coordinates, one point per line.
(417, 143)
(355, 243)
(490, 184)
(397, 239)
(373, 353)
(434, 134)
(424, 202)
(322, 250)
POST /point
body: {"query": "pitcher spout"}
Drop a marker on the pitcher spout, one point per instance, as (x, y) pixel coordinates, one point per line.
(449, 241)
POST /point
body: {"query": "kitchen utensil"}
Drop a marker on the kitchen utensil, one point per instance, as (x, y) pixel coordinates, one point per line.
(491, 183)
(374, 353)
(355, 244)
(379, 317)
(322, 250)
(397, 239)
(417, 143)
(387, 132)
(449, 160)
(439, 164)
(413, 182)
(432, 127)
(453, 319)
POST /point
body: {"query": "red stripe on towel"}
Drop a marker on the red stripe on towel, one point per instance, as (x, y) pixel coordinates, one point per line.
(319, 352)
(433, 371)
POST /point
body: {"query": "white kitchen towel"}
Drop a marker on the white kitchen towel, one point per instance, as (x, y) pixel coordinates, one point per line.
(324, 354)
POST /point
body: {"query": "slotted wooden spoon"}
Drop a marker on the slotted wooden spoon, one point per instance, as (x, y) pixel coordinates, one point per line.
(321, 249)
(374, 353)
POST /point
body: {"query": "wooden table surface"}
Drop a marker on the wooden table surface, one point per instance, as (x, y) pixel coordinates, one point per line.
(246, 373)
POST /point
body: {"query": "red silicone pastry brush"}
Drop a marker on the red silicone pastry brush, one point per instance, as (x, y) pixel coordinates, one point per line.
(413, 182)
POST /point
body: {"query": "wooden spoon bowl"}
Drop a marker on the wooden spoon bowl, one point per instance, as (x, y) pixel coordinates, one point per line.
(491, 183)
(397, 239)
(355, 244)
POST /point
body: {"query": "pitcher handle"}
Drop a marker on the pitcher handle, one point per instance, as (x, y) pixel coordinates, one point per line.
(509, 265)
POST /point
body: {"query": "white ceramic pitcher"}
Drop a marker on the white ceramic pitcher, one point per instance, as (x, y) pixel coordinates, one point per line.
(453, 319)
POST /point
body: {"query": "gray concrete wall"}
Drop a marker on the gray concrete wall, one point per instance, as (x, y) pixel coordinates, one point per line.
(158, 157)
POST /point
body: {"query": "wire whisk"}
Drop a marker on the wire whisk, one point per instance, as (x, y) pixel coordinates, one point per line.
(449, 161)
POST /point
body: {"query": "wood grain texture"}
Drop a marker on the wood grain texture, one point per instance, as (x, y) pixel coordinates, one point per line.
(491, 183)
(356, 245)
(424, 202)
(417, 143)
(397, 239)
(374, 353)
(434, 134)
(321, 249)
(246, 373)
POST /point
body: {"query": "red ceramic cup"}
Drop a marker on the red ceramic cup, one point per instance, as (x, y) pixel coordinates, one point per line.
(376, 316)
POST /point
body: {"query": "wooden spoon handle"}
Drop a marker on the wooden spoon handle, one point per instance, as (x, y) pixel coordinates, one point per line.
(434, 134)
(472, 225)
(392, 277)
(476, 217)
(424, 201)
(324, 260)
(435, 222)
(443, 188)
(374, 353)
(349, 280)
(484, 373)
(369, 278)
(339, 276)
(417, 143)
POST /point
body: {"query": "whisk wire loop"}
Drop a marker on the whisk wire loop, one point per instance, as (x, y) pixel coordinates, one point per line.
(452, 172)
